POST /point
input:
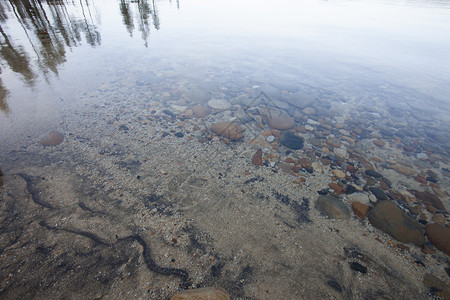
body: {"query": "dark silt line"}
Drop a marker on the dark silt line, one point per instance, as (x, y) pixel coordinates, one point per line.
(85, 234)
(34, 192)
(151, 264)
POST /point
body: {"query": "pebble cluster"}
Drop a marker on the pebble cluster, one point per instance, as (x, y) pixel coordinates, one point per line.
(374, 164)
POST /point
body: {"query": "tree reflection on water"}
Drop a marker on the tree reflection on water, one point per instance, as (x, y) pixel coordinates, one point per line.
(51, 27)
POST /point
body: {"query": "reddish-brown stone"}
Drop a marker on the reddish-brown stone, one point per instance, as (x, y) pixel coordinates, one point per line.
(429, 198)
(338, 189)
(439, 236)
(229, 130)
(360, 209)
(52, 138)
(257, 158)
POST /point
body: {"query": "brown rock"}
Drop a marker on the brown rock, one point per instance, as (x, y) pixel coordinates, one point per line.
(439, 219)
(337, 188)
(305, 162)
(52, 138)
(257, 158)
(209, 293)
(266, 133)
(387, 217)
(277, 118)
(338, 173)
(200, 111)
(332, 207)
(289, 160)
(403, 170)
(379, 143)
(428, 250)
(230, 130)
(360, 209)
(420, 179)
(350, 169)
(276, 132)
(429, 198)
(402, 247)
(439, 236)
(336, 143)
(408, 149)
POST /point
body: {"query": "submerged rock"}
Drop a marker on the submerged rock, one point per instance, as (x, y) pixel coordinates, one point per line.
(52, 138)
(230, 130)
(360, 209)
(332, 207)
(378, 193)
(439, 236)
(219, 104)
(373, 173)
(277, 118)
(429, 198)
(387, 217)
(209, 293)
(257, 158)
(291, 141)
(200, 111)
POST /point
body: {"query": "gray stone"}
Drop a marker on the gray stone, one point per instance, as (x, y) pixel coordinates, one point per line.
(332, 207)
(387, 217)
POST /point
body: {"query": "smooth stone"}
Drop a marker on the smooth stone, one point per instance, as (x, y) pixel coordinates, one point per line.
(332, 207)
(52, 138)
(317, 167)
(270, 138)
(179, 108)
(309, 111)
(359, 197)
(338, 173)
(403, 170)
(429, 198)
(439, 236)
(291, 140)
(208, 293)
(378, 193)
(277, 118)
(387, 217)
(373, 173)
(379, 143)
(439, 219)
(336, 143)
(257, 158)
(219, 104)
(337, 188)
(230, 130)
(200, 111)
(360, 209)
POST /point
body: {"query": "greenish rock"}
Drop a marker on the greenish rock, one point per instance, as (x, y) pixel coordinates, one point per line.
(332, 207)
(373, 173)
(291, 140)
(387, 217)
(378, 193)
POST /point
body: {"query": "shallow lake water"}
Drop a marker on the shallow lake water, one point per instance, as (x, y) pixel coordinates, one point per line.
(271, 149)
